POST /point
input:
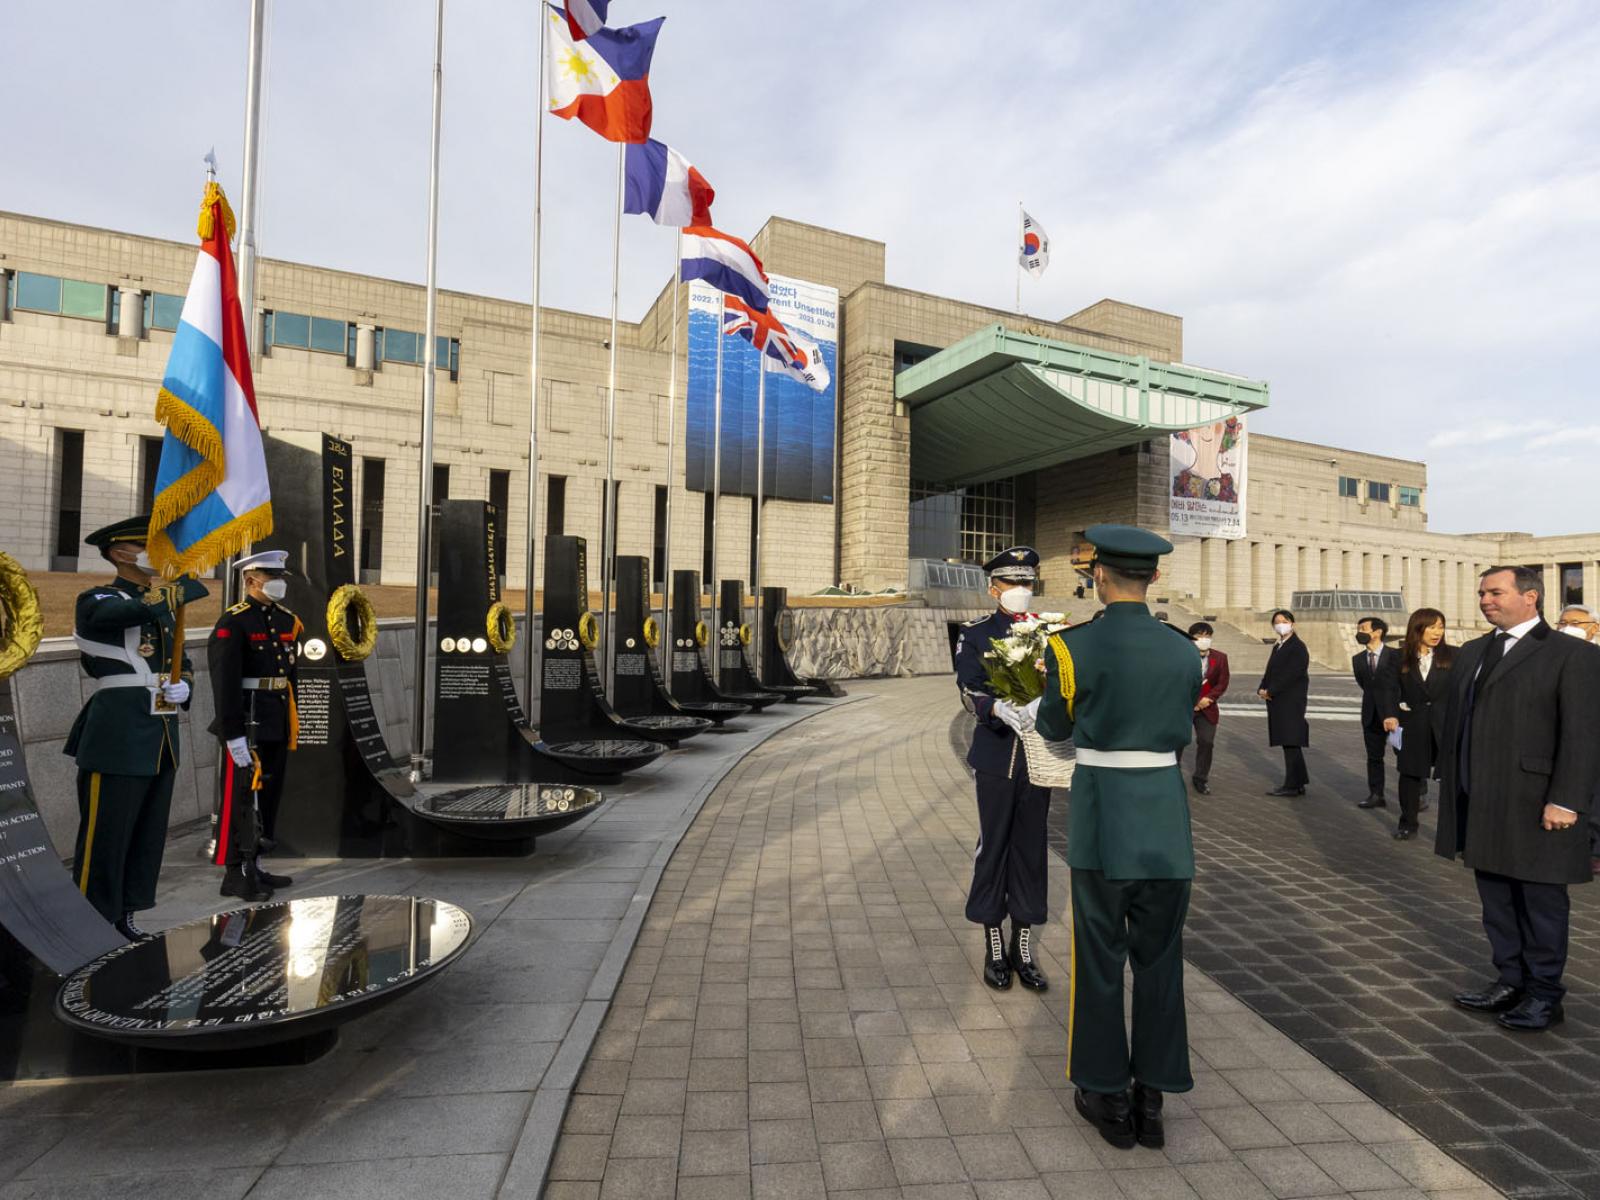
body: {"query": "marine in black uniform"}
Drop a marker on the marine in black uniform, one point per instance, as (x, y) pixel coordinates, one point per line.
(252, 655)
(1008, 869)
(126, 738)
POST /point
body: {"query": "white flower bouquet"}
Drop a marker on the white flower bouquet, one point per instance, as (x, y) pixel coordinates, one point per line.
(1015, 669)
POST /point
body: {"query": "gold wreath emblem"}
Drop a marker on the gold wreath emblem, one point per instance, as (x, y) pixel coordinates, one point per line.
(744, 635)
(783, 629)
(352, 625)
(588, 631)
(502, 628)
(702, 635)
(21, 623)
(652, 633)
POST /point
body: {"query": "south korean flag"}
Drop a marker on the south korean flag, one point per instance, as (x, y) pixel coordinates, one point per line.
(1034, 253)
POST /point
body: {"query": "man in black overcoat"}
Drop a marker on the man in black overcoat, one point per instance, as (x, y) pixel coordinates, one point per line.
(1285, 686)
(1368, 665)
(1519, 764)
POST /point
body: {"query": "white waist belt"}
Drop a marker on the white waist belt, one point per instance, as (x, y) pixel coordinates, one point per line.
(275, 683)
(1126, 758)
(123, 681)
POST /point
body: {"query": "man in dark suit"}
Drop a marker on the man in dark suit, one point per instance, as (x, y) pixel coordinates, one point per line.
(1213, 683)
(1368, 664)
(1519, 764)
(1286, 686)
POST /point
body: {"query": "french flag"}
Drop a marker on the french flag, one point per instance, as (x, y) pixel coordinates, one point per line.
(726, 263)
(603, 79)
(795, 356)
(211, 493)
(586, 17)
(665, 186)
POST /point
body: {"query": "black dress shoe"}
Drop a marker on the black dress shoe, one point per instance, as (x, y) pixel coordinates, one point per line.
(996, 970)
(1148, 1127)
(1531, 1016)
(1202, 788)
(268, 879)
(265, 845)
(1496, 998)
(129, 930)
(1021, 959)
(1287, 791)
(1403, 835)
(1109, 1113)
(245, 886)
(1374, 801)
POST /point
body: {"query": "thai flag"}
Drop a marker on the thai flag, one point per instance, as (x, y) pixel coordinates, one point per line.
(726, 263)
(665, 185)
(604, 79)
(211, 495)
(586, 17)
(796, 356)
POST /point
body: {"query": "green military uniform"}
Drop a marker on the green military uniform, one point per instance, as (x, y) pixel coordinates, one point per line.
(1124, 689)
(127, 754)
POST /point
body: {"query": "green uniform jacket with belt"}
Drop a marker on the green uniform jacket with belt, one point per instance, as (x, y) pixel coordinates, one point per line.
(116, 733)
(1124, 682)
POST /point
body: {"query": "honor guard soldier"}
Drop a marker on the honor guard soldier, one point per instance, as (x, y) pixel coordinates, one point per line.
(1008, 869)
(252, 655)
(126, 738)
(1124, 689)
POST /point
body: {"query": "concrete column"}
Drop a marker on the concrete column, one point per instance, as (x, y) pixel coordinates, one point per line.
(1591, 583)
(130, 318)
(366, 344)
(1236, 575)
(1214, 573)
(1264, 578)
(1284, 566)
(1552, 590)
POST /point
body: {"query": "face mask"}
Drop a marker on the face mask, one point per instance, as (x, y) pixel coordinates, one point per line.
(1283, 629)
(1016, 599)
(275, 590)
(1363, 638)
(1202, 644)
(1576, 631)
(143, 562)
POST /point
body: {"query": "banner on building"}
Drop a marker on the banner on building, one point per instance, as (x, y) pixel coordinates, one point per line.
(800, 421)
(1208, 480)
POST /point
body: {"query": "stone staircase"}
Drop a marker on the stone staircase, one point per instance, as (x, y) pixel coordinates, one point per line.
(1247, 653)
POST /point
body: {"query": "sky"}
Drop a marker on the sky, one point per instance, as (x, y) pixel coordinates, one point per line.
(1388, 210)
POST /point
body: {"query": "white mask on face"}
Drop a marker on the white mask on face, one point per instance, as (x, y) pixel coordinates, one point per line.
(1016, 599)
(1576, 631)
(143, 562)
(275, 590)
(1202, 644)
(1283, 629)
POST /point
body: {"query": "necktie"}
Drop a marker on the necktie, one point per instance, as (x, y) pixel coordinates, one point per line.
(1372, 662)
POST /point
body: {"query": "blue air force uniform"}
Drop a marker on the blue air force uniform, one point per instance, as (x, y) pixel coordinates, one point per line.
(125, 739)
(1009, 866)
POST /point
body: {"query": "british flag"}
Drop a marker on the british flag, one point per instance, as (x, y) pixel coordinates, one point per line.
(795, 355)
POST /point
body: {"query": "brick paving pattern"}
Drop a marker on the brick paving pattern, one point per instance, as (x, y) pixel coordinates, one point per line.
(803, 1017)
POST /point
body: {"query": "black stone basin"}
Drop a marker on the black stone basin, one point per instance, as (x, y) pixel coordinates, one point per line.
(604, 756)
(671, 728)
(260, 975)
(509, 810)
(716, 710)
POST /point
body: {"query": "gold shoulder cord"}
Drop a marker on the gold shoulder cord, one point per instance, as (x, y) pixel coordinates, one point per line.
(1068, 676)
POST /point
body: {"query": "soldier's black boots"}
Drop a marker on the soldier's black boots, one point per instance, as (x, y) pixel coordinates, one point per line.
(268, 879)
(129, 930)
(1109, 1113)
(1147, 1124)
(1021, 958)
(244, 883)
(996, 970)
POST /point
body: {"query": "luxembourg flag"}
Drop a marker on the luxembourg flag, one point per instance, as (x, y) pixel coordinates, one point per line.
(665, 185)
(797, 357)
(211, 495)
(586, 17)
(724, 262)
(604, 79)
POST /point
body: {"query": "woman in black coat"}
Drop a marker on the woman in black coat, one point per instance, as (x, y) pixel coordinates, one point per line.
(1411, 698)
(1285, 687)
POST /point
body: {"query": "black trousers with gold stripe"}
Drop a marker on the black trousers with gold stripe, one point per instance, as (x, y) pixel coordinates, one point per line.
(1115, 922)
(122, 831)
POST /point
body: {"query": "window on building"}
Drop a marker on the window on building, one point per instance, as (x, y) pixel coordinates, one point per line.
(1571, 584)
(441, 493)
(65, 297)
(1411, 497)
(1377, 493)
(149, 465)
(291, 329)
(398, 345)
(114, 312)
(161, 311)
(500, 500)
(658, 541)
(935, 521)
(909, 354)
(708, 526)
(555, 505)
(1350, 486)
(69, 499)
(329, 336)
(988, 519)
(372, 473)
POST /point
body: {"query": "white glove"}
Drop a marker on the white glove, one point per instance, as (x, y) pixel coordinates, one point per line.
(1030, 711)
(1018, 718)
(239, 751)
(176, 693)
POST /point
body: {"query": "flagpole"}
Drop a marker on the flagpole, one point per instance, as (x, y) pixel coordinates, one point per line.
(716, 459)
(608, 531)
(530, 577)
(672, 429)
(1019, 256)
(430, 362)
(761, 463)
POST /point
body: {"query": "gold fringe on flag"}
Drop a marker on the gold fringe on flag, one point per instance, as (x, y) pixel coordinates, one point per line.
(217, 545)
(206, 225)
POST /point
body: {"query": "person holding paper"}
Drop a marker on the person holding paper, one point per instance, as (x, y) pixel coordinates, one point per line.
(1410, 692)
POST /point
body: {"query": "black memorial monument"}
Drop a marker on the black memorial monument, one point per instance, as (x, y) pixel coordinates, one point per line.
(637, 692)
(777, 639)
(735, 676)
(692, 683)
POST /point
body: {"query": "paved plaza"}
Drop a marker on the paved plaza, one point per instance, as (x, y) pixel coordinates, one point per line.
(787, 1003)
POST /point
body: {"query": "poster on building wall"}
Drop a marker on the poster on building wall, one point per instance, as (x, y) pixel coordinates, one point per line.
(1208, 480)
(800, 422)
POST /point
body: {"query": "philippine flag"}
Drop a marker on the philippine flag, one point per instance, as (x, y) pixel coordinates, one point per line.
(665, 186)
(586, 17)
(211, 494)
(795, 356)
(603, 80)
(726, 263)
